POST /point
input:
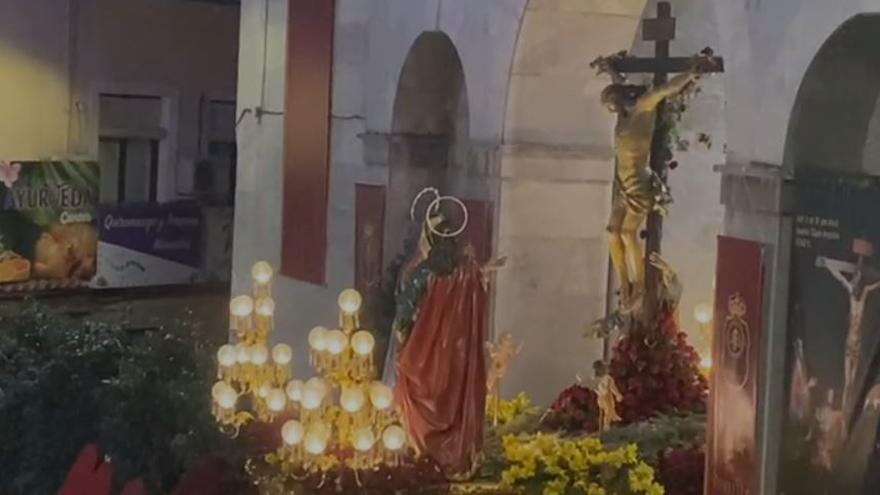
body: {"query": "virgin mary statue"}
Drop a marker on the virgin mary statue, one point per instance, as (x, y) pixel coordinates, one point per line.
(439, 329)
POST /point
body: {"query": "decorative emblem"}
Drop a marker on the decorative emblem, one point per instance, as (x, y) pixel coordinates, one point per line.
(370, 272)
(736, 341)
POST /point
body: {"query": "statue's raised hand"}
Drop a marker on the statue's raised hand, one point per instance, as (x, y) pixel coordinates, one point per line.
(704, 62)
(607, 65)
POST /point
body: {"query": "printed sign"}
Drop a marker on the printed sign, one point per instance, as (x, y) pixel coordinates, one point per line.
(143, 244)
(831, 442)
(731, 454)
(48, 238)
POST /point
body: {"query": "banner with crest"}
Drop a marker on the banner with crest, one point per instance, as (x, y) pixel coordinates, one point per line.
(732, 464)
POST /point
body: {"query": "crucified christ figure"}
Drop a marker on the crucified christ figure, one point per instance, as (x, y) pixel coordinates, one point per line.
(858, 289)
(638, 187)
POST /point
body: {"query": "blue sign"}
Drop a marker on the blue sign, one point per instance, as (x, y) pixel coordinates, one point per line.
(142, 244)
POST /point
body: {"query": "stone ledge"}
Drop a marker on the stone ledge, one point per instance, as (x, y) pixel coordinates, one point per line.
(566, 151)
(754, 187)
(753, 169)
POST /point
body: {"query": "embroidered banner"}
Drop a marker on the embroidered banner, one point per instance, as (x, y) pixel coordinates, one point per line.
(369, 235)
(732, 464)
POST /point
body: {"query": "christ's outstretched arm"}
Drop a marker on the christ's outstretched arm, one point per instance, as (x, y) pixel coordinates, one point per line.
(870, 287)
(836, 269)
(676, 85)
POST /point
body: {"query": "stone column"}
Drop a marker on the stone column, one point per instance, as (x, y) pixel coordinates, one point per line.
(757, 198)
(553, 207)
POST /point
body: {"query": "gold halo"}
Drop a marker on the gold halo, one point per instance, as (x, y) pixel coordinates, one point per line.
(434, 205)
(415, 202)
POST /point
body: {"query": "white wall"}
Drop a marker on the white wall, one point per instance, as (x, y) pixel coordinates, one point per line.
(259, 192)
(768, 46)
(58, 55)
(33, 87)
(181, 51)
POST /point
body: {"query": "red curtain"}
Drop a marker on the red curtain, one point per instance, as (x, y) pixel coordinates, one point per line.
(441, 388)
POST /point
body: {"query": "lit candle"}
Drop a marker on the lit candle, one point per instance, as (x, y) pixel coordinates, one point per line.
(317, 345)
(315, 444)
(226, 397)
(292, 432)
(349, 302)
(282, 354)
(276, 400)
(337, 342)
(262, 274)
(240, 309)
(294, 390)
(352, 399)
(311, 398)
(265, 309)
(381, 396)
(363, 439)
(226, 356)
(242, 353)
(703, 313)
(394, 438)
(259, 354)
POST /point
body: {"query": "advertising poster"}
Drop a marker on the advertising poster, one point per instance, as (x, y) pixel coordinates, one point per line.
(831, 443)
(732, 463)
(149, 244)
(48, 238)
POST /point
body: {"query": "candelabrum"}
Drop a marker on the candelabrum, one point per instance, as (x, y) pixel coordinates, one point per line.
(342, 418)
(252, 379)
(345, 417)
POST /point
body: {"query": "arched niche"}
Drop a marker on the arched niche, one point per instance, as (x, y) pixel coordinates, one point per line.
(834, 124)
(430, 129)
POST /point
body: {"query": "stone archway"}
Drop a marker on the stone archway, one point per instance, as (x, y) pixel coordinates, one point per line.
(555, 193)
(835, 121)
(430, 130)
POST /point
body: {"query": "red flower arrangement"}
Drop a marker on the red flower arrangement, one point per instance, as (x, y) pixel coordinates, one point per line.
(658, 372)
(575, 410)
(682, 471)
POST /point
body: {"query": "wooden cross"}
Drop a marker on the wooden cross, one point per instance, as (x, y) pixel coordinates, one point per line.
(661, 31)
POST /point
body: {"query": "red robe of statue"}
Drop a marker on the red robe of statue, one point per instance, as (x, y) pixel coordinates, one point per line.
(441, 373)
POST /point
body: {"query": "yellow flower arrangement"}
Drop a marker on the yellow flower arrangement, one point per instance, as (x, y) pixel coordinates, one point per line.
(509, 410)
(580, 466)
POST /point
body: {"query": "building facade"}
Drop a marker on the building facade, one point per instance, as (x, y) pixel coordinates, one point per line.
(511, 93)
(154, 67)
(494, 102)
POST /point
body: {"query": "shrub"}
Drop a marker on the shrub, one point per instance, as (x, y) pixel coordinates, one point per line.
(143, 397)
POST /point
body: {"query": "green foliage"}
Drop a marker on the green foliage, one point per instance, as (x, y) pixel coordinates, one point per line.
(656, 435)
(144, 398)
(653, 438)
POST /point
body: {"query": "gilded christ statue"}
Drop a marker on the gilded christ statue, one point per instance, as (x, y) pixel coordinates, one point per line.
(638, 188)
